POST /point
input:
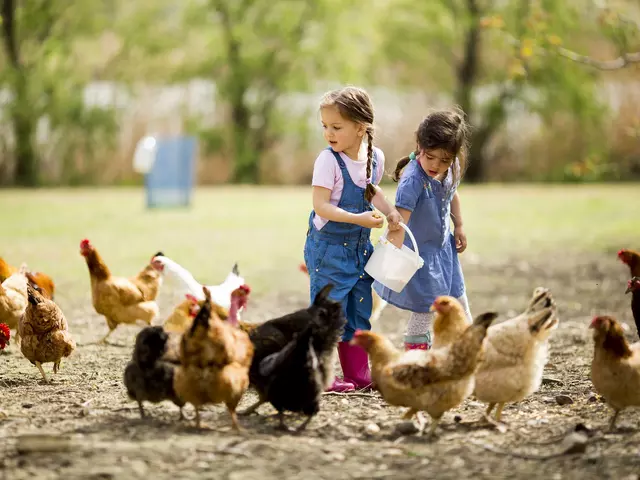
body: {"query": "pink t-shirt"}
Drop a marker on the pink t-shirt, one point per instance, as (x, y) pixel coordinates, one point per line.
(327, 174)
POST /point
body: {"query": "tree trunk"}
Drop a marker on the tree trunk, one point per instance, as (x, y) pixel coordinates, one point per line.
(467, 77)
(23, 119)
(24, 127)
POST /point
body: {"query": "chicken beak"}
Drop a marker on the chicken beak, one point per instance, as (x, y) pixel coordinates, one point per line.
(433, 308)
(628, 290)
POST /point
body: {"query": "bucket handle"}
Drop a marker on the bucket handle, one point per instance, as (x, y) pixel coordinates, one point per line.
(413, 240)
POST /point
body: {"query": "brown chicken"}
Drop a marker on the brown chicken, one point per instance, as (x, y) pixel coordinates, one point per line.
(45, 333)
(37, 279)
(630, 258)
(435, 380)
(13, 300)
(214, 363)
(450, 321)
(515, 354)
(120, 299)
(615, 369)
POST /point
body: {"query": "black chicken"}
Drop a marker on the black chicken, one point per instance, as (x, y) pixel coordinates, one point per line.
(294, 357)
(147, 376)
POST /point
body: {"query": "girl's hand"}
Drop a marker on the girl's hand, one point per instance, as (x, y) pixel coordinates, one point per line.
(370, 220)
(460, 239)
(394, 219)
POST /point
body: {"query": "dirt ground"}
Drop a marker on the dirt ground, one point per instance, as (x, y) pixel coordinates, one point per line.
(90, 429)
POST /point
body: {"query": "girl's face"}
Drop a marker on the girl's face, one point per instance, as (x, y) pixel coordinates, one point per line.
(435, 162)
(341, 134)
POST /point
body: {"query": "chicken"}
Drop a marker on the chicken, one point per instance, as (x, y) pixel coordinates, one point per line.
(36, 279)
(435, 380)
(5, 335)
(214, 363)
(13, 300)
(292, 366)
(633, 286)
(630, 258)
(181, 318)
(274, 335)
(378, 304)
(119, 299)
(516, 352)
(220, 294)
(45, 333)
(615, 369)
(450, 321)
(147, 376)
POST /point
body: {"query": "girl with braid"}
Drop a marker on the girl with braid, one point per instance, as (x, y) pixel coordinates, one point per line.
(345, 192)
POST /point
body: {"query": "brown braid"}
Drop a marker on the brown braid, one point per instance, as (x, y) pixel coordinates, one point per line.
(403, 162)
(370, 191)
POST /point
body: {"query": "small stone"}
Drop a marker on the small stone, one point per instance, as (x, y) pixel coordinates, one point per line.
(551, 381)
(406, 428)
(548, 400)
(564, 399)
(593, 399)
(27, 405)
(457, 419)
(372, 429)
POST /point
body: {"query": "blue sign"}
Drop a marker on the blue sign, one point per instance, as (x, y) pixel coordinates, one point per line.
(169, 183)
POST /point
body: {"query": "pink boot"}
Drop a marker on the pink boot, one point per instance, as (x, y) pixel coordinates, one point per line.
(341, 386)
(355, 364)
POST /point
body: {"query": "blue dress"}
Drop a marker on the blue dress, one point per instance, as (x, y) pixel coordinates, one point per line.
(430, 203)
(338, 252)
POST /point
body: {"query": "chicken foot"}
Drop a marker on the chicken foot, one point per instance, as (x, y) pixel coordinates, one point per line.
(612, 422)
(252, 408)
(44, 375)
(281, 425)
(496, 423)
(141, 409)
(409, 414)
(56, 366)
(432, 428)
(234, 419)
(304, 424)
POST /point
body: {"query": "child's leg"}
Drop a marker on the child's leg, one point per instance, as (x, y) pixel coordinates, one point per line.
(465, 304)
(418, 334)
(354, 360)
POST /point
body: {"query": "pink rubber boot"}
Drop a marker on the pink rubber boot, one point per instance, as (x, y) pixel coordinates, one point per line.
(341, 386)
(355, 365)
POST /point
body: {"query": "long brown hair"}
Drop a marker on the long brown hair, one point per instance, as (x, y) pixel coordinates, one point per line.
(354, 104)
(445, 129)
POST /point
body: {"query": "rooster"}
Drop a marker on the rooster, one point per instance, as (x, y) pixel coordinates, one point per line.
(120, 299)
(220, 294)
(615, 369)
(633, 287)
(293, 359)
(435, 380)
(5, 335)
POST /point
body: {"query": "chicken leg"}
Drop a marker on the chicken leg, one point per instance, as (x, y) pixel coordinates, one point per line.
(141, 409)
(103, 340)
(234, 419)
(612, 422)
(44, 375)
(252, 408)
(409, 414)
(304, 424)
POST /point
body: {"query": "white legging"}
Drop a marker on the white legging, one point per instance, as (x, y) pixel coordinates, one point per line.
(419, 326)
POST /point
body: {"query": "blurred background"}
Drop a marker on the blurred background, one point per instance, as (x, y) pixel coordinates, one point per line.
(552, 87)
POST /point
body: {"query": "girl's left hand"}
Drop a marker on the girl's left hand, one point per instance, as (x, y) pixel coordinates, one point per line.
(460, 238)
(394, 219)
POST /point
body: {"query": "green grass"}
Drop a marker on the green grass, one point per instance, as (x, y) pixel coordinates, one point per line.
(264, 228)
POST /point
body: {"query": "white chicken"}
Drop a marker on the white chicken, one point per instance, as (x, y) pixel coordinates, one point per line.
(220, 294)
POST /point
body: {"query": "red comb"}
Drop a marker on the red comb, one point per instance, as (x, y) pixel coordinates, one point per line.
(84, 243)
(191, 298)
(4, 329)
(245, 288)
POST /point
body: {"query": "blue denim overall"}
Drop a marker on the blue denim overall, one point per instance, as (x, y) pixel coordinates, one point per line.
(338, 253)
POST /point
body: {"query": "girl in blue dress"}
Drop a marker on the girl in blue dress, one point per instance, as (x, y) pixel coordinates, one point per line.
(427, 199)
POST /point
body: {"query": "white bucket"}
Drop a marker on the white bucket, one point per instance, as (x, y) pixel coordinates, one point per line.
(393, 267)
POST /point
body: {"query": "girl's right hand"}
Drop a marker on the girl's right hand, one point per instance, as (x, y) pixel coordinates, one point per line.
(370, 220)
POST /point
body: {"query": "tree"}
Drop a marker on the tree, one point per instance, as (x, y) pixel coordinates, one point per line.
(256, 52)
(44, 78)
(490, 54)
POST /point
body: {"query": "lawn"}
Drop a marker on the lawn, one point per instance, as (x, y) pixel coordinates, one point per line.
(263, 228)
